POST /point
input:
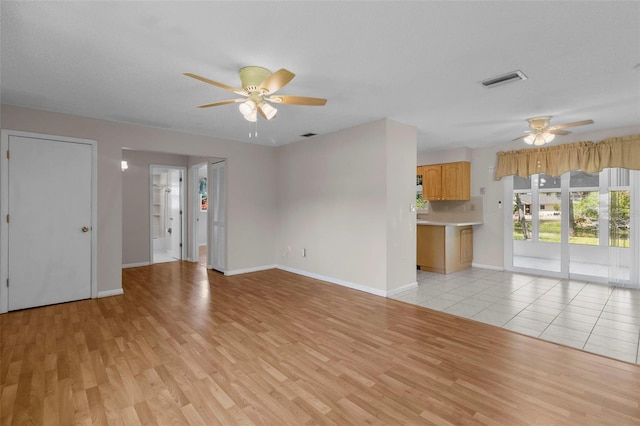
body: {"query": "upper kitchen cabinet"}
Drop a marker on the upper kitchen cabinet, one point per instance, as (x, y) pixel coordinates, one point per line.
(448, 181)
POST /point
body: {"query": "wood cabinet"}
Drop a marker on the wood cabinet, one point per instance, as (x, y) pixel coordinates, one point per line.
(447, 181)
(444, 249)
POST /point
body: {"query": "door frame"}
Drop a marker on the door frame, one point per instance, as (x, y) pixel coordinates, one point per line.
(194, 191)
(5, 134)
(183, 216)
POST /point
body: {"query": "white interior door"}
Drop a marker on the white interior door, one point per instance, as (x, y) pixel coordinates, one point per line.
(175, 212)
(49, 229)
(216, 256)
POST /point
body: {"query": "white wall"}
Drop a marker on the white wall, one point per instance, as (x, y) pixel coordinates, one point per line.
(401, 194)
(333, 195)
(444, 156)
(251, 190)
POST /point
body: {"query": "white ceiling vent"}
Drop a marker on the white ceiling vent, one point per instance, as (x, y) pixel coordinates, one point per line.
(504, 79)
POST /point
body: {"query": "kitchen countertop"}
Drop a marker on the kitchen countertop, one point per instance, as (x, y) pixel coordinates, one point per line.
(440, 223)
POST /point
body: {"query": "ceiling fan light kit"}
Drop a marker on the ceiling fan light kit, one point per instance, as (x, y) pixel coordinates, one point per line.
(539, 139)
(258, 86)
(247, 107)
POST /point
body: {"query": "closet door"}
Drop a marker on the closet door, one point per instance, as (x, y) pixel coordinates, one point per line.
(217, 217)
(49, 228)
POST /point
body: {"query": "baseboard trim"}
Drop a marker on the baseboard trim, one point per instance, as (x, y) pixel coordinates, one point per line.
(401, 289)
(491, 267)
(352, 285)
(135, 265)
(109, 293)
(247, 270)
(332, 280)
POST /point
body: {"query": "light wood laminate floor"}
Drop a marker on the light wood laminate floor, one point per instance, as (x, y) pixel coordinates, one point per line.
(187, 346)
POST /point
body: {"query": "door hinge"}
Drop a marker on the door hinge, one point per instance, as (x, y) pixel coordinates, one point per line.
(180, 179)
(8, 155)
(180, 244)
(7, 218)
(7, 282)
(180, 211)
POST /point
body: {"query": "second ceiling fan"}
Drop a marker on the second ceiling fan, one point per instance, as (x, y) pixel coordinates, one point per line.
(258, 88)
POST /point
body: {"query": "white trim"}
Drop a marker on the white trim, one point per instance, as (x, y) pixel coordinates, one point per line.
(332, 280)
(490, 267)
(109, 293)
(135, 265)
(507, 222)
(343, 283)
(410, 286)
(4, 199)
(248, 270)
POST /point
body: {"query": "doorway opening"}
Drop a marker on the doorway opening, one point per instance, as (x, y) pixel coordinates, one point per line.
(167, 219)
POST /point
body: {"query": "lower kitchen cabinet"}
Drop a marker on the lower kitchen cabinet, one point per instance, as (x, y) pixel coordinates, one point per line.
(444, 248)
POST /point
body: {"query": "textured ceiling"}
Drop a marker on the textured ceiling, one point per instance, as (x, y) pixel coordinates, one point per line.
(418, 63)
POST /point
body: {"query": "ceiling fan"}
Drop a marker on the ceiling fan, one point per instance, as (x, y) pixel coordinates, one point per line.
(258, 88)
(541, 133)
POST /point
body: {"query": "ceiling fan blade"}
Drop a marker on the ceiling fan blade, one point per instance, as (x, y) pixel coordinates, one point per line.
(297, 100)
(575, 123)
(215, 83)
(277, 80)
(229, 101)
(519, 137)
(558, 132)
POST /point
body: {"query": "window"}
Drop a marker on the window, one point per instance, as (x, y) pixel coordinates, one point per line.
(577, 225)
(595, 201)
(521, 208)
(584, 208)
(619, 218)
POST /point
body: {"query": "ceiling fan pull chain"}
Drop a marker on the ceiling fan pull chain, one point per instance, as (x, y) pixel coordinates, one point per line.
(253, 132)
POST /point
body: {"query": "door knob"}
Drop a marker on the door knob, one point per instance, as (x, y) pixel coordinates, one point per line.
(85, 229)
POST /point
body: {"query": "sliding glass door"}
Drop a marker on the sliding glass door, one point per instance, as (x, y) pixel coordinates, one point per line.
(579, 225)
(536, 223)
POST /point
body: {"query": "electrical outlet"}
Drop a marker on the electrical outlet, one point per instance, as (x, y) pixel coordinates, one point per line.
(473, 207)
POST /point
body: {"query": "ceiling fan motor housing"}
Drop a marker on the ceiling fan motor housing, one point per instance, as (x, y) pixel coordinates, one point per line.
(538, 124)
(252, 76)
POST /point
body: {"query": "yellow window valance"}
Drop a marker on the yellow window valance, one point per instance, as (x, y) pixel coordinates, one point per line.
(590, 157)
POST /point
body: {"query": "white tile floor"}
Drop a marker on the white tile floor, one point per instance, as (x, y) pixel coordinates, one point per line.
(593, 317)
(162, 256)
